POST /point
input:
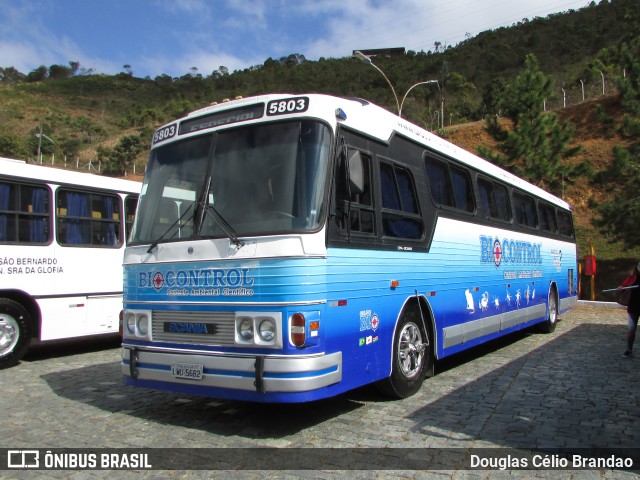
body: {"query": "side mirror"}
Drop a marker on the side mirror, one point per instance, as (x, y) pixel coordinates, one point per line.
(356, 172)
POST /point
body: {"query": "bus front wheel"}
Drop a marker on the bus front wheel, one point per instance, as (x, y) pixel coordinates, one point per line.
(412, 356)
(15, 332)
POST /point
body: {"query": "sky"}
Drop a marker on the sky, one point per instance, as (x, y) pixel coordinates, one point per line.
(174, 37)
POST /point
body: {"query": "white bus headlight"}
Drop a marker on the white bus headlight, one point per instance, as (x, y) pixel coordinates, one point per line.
(245, 329)
(267, 330)
(137, 324)
(131, 323)
(143, 325)
(258, 329)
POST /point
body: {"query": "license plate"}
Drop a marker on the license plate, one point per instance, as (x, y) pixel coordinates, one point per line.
(192, 371)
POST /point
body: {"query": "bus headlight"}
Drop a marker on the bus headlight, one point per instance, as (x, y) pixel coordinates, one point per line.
(143, 325)
(245, 329)
(130, 322)
(258, 329)
(267, 330)
(137, 324)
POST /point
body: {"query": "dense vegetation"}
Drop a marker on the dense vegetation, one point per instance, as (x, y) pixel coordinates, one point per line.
(517, 75)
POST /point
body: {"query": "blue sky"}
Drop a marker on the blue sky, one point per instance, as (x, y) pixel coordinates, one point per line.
(171, 37)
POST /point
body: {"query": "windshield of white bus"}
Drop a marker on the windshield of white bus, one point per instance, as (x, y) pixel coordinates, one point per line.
(257, 180)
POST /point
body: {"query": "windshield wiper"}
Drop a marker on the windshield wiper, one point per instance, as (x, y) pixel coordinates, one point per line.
(205, 208)
(161, 237)
(224, 225)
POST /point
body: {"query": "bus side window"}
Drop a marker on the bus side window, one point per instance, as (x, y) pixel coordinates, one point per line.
(462, 191)
(400, 214)
(88, 219)
(130, 205)
(450, 186)
(439, 182)
(525, 209)
(24, 213)
(494, 199)
(547, 218)
(353, 203)
(565, 226)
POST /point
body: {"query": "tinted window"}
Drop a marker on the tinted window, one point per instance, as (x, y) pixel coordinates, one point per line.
(449, 186)
(548, 218)
(354, 209)
(494, 198)
(565, 225)
(525, 210)
(400, 214)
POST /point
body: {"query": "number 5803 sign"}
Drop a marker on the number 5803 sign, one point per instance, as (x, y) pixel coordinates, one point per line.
(287, 105)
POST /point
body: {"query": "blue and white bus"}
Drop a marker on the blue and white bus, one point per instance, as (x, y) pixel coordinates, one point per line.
(289, 248)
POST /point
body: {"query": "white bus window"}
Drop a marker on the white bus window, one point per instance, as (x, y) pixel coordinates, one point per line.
(88, 219)
(24, 214)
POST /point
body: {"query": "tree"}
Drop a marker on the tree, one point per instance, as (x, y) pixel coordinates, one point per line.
(60, 71)
(10, 147)
(119, 159)
(620, 216)
(11, 75)
(538, 144)
(37, 75)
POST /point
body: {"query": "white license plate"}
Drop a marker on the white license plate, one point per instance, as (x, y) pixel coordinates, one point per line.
(192, 371)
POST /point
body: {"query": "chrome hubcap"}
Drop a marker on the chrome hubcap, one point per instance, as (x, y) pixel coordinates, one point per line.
(9, 334)
(410, 350)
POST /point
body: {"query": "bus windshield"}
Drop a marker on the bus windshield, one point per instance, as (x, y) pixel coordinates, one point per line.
(256, 180)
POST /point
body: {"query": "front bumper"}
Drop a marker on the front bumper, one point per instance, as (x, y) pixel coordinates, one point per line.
(232, 372)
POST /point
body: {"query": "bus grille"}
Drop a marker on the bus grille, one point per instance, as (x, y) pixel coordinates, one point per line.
(223, 325)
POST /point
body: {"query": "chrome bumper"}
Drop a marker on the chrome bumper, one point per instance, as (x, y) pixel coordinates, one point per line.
(261, 373)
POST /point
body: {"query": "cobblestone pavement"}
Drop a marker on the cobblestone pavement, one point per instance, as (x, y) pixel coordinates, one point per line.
(571, 389)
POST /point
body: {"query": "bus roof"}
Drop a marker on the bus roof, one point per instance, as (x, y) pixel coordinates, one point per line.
(19, 168)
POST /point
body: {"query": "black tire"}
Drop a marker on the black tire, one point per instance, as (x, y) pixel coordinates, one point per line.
(549, 325)
(412, 356)
(15, 332)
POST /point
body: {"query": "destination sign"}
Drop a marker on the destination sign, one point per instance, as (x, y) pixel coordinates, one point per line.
(226, 117)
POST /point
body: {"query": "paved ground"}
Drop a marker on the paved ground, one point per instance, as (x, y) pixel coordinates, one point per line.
(571, 389)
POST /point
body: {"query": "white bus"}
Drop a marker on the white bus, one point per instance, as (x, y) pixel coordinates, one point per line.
(62, 238)
(289, 248)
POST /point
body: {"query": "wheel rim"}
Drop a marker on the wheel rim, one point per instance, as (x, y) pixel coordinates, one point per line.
(9, 334)
(410, 350)
(553, 310)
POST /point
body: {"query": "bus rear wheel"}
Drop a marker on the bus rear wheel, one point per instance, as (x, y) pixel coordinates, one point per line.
(15, 332)
(412, 356)
(549, 325)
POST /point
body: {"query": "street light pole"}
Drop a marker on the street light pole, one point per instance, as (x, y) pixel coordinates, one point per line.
(411, 88)
(361, 56)
(40, 136)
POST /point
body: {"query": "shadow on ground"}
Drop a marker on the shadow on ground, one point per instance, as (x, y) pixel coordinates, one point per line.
(574, 391)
